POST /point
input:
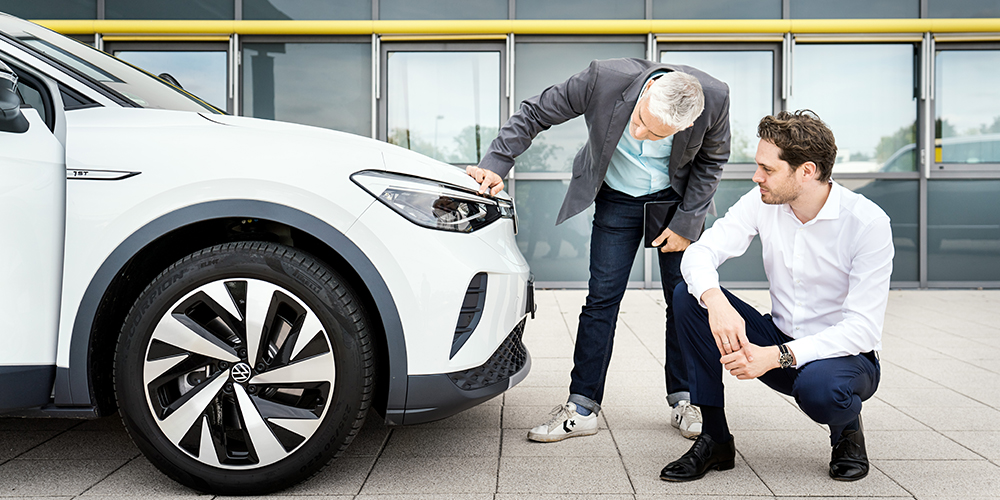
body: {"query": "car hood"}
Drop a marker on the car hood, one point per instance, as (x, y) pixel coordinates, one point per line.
(395, 158)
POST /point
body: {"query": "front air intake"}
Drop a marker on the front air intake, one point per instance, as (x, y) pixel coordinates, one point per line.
(472, 311)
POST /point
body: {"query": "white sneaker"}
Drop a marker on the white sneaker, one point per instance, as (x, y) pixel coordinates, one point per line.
(565, 423)
(686, 417)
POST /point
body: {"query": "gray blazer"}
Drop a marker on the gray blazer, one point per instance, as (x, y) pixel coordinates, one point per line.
(606, 93)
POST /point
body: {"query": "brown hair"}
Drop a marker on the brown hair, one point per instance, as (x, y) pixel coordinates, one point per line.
(801, 136)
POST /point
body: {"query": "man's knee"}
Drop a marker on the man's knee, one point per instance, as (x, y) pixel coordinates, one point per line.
(683, 300)
(821, 396)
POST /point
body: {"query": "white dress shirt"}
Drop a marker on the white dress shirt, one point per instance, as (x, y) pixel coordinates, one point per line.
(829, 277)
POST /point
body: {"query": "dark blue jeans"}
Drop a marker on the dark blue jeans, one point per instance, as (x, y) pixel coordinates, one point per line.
(829, 391)
(616, 236)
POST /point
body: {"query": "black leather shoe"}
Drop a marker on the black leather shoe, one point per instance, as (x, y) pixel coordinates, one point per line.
(849, 460)
(705, 454)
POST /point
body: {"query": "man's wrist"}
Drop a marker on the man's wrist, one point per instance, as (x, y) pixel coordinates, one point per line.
(786, 358)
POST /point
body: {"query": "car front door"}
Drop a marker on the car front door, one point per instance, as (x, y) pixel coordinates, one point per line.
(32, 228)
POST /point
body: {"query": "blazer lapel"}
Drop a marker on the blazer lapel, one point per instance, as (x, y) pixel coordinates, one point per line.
(681, 140)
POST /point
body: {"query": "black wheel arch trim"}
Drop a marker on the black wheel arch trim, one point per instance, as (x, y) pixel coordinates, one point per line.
(73, 384)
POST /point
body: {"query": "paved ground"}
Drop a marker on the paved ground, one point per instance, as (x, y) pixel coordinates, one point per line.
(933, 427)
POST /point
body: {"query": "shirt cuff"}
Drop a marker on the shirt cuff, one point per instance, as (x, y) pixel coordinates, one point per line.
(698, 287)
(805, 350)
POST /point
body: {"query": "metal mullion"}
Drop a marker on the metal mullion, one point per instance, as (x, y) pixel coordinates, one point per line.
(376, 84)
(234, 74)
(927, 137)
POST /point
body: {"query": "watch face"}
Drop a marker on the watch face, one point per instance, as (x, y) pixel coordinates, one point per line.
(785, 360)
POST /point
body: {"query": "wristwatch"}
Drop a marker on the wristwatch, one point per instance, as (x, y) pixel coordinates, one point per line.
(785, 359)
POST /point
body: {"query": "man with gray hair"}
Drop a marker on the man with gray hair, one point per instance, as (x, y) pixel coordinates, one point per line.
(657, 133)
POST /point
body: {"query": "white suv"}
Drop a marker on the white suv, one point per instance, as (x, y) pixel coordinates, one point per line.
(240, 290)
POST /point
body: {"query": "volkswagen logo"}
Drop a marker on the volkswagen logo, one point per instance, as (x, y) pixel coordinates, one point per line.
(241, 372)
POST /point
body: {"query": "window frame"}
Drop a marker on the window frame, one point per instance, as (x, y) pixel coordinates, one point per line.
(181, 46)
(737, 171)
(299, 39)
(942, 170)
(382, 101)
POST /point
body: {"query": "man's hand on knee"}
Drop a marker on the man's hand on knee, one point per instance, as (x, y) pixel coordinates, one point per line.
(762, 360)
(727, 325)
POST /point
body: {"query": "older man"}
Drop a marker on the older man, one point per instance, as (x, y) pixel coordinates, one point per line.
(657, 132)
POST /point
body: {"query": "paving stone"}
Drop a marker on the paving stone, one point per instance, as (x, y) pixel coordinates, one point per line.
(403, 475)
(985, 443)
(437, 496)
(948, 418)
(53, 477)
(546, 378)
(429, 443)
(37, 424)
(915, 445)
(953, 479)
(15, 443)
(568, 475)
(534, 396)
(879, 416)
(556, 496)
(907, 397)
(139, 478)
(85, 445)
(370, 438)
(664, 443)
(809, 476)
(343, 476)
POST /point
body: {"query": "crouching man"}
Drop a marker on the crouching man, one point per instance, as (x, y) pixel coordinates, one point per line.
(828, 256)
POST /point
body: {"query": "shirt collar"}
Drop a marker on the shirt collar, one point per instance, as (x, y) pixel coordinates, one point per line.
(831, 209)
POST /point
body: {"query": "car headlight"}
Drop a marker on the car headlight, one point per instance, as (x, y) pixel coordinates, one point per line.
(434, 204)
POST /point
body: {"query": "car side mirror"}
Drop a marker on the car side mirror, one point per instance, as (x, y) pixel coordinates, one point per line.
(11, 119)
(167, 77)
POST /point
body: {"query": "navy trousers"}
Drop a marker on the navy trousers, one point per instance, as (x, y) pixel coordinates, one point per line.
(830, 391)
(616, 236)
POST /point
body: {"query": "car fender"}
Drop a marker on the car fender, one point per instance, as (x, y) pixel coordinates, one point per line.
(73, 383)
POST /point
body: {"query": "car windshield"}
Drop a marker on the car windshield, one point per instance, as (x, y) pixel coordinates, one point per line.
(138, 86)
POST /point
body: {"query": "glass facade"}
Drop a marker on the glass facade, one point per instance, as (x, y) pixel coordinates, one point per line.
(174, 9)
(750, 76)
(581, 9)
(893, 104)
(202, 73)
(307, 9)
(967, 125)
(322, 84)
(865, 93)
(963, 8)
(442, 9)
(52, 9)
(445, 105)
(963, 230)
(560, 253)
(854, 9)
(899, 199)
(539, 65)
(717, 9)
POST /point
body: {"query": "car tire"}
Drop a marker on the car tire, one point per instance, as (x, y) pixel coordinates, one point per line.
(244, 368)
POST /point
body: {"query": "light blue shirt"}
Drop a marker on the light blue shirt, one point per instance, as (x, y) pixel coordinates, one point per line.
(639, 168)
